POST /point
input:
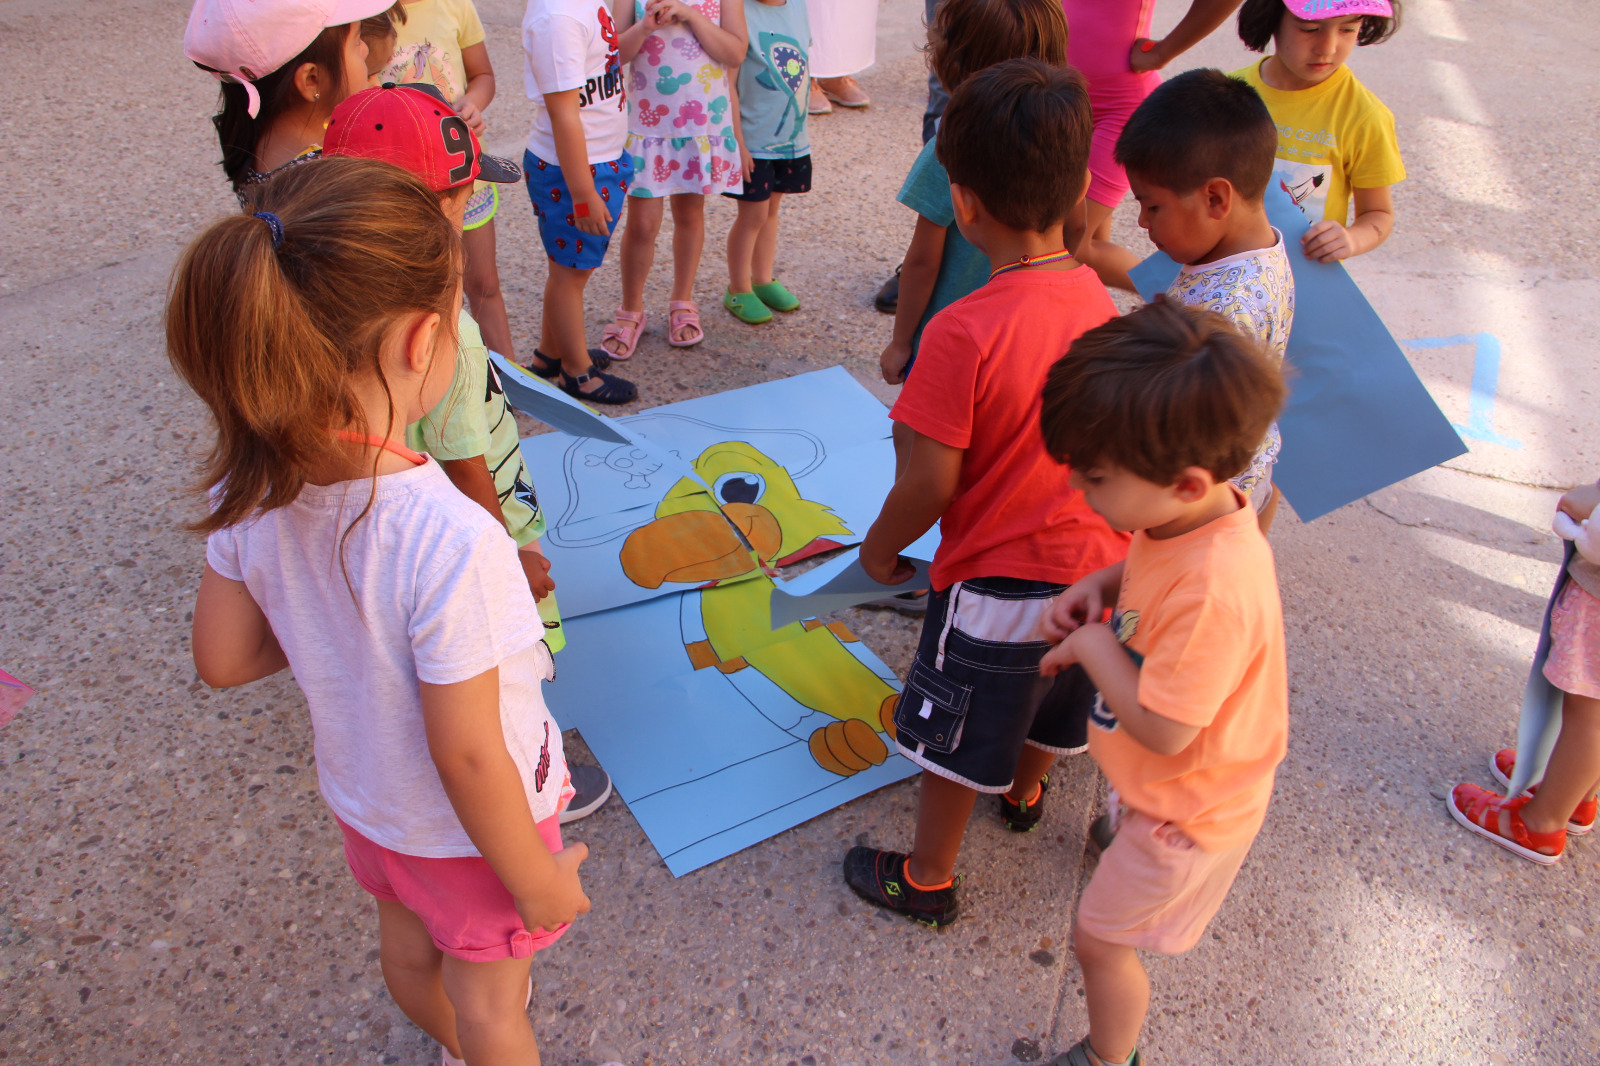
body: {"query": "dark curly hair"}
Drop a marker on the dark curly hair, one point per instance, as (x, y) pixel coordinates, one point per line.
(1259, 21)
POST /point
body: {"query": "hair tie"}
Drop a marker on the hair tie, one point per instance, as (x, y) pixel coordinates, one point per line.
(275, 224)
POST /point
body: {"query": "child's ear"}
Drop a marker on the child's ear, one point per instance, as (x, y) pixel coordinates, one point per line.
(420, 337)
(1193, 484)
(1220, 196)
(966, 204)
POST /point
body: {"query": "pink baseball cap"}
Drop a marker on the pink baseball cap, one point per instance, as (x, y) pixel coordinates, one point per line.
(1314, 10)
(243, 40)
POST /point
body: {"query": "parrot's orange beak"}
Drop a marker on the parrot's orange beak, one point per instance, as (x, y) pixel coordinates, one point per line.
(699, 546)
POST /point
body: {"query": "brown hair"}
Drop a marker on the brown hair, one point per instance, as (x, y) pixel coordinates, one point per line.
(1164, 388)
(1017, 134)
(238, 132)
(273, 339)
(1198, 126)
(1260, 20)
(967, 35)
(383, 27)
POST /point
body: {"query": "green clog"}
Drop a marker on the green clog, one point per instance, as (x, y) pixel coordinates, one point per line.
(775, 296)
(746, 307)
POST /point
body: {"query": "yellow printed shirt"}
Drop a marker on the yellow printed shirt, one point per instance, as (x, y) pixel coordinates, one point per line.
(1332, 138)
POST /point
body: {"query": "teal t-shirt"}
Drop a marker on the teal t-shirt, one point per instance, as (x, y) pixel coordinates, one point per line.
(775, 80)
(963, 269)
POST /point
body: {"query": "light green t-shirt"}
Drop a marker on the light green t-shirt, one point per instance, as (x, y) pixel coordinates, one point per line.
(473, 420)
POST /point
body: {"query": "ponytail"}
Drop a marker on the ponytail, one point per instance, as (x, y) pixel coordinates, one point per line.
(273, 332)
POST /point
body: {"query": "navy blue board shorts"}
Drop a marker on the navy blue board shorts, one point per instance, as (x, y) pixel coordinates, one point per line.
(768, 176)
(552, 203)
(974, 697)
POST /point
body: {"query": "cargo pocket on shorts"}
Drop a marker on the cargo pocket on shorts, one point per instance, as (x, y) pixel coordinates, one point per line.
(936, 717)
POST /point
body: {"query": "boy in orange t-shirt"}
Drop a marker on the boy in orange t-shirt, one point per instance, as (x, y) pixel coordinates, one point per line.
(976, 715)
(1156, 411)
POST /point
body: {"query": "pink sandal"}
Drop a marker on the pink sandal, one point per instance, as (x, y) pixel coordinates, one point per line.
(625, 329)
(684, 315)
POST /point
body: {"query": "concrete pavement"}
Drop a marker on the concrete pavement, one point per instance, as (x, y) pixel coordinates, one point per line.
(172, 888)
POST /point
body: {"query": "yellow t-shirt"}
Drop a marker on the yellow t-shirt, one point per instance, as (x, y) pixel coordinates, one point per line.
(1332, 138)
(430, 44)
(1200, 615)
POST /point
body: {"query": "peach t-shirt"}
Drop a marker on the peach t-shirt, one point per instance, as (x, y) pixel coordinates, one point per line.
(1200, 614)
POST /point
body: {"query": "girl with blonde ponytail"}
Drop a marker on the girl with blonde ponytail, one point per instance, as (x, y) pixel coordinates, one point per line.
(316, 329)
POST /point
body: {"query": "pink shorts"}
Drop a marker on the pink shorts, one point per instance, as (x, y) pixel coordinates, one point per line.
(1113, 101)
(1574, 662)
(461, 902)
(1155, 888)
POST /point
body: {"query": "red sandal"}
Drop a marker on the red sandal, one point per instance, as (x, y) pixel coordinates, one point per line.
(1498, 818)
(684, 315)
(1582, 820)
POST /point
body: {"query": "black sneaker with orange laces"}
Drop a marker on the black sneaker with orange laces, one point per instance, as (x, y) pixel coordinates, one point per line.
(1024, 817)
(880, 878)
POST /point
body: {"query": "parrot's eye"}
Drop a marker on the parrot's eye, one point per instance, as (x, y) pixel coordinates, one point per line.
(739, 487)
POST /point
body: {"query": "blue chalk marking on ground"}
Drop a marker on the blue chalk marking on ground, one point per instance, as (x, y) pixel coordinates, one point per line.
(1485, 384)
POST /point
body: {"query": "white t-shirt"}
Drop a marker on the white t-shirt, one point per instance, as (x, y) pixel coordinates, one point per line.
(438, 597)
(572, 44)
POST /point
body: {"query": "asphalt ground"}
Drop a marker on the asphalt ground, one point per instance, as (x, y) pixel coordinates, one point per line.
(172, 889)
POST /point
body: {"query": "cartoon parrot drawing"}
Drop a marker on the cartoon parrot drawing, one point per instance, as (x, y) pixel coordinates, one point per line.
(690, 540)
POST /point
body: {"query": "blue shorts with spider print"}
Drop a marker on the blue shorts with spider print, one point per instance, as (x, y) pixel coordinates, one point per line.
(552, 203)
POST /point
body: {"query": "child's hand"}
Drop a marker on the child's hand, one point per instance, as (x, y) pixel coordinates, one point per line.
(563, 899)
(885, 569)
(747, 162)
(1145, 55)
(471, 114)
(896, 354)
(598, 220)
(537, 570)
(1058, 658)
(1328, 242)
(1080, 605)
(667, 12)
(1579, 503)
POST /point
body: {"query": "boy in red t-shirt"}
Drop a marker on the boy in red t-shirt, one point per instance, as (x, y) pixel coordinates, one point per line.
(1156, 411)
(975, 714)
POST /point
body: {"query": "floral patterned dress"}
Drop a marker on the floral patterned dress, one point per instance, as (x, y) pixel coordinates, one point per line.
(680, 121)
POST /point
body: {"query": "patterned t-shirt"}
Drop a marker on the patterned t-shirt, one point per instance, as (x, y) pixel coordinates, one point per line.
(774, 80)
(1255, 291)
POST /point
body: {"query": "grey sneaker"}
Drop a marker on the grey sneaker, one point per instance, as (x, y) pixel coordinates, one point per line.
(593, 787)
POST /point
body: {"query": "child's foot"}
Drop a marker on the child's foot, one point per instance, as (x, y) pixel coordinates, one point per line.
(1024, 817)
(880, 878)
(683, 329)
(1081, 1054)
(591, 788)
(775, 296)
(912, 603)
(611, 389)
(1504, 764)
(548, 367)
(622, 336)
(1499, 819)
(746, 307)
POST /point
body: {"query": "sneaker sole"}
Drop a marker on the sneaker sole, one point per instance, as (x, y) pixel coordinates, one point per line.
(1510, 845)
(931, 923)
(1574, 829)
(573, 814)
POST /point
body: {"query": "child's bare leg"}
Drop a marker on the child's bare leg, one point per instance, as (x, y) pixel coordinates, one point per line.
(1031, 768)
(688, 241)
(1117, 993)
(742, 235)
(639, 248)
(412, 966)
(481, 281)
(562, 334)
(1574, 767)
(943, 807)
(766, 249)
(1111, 261)
(1265, 516)
(490, 1000)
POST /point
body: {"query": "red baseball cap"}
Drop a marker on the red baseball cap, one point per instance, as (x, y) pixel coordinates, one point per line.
(412, 127)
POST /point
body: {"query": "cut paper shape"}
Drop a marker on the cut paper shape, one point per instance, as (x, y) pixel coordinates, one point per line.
(13, 694)
(716, 744)
(784, 469)
(1358, 417)
(840, 582)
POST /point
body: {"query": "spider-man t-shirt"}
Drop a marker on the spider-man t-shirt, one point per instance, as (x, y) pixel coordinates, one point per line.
(775, 81)
(980, 375)
(572, 44)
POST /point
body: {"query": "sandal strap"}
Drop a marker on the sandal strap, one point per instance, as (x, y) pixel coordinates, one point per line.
(611, 390)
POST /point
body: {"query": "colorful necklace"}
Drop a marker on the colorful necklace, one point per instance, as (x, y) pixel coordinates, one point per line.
(1029, 261)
